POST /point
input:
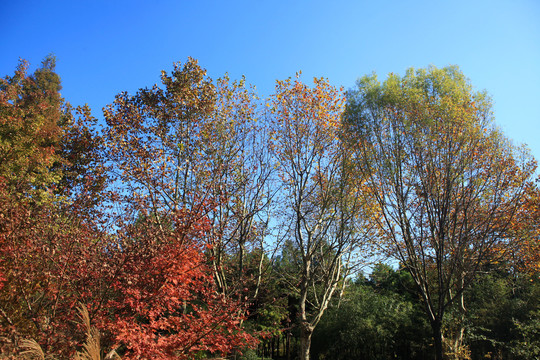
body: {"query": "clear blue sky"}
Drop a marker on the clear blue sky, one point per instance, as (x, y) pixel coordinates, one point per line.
(104, 47)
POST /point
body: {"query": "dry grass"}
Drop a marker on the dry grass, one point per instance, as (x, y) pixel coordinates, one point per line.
(91, 348)
(33, 350)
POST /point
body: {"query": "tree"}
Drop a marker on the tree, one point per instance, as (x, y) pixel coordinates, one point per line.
(50, 178)
(46, 151)
(502, 314)
(321, 211)
(30, 110)
(446, 180)
(243, 183)
(50, 257)
(155, 142)
(194, 144)
(165, 301)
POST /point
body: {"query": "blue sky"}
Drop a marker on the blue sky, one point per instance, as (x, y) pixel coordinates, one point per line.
(104, 47)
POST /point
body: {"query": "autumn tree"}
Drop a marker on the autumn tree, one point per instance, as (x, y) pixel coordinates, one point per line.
(321, 212)
(242, 184)
(50, 258)
(48, 149)
(51, 178)
(194, 144)
(155, 145)
(164, 297)
(30, 110)
(446, 180)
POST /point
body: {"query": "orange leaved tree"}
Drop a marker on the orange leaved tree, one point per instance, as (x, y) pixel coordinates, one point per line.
(322, 214)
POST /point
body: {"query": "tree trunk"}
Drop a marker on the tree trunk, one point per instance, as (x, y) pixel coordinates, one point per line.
(288, 346)
(306, 330)
(437, 338)
(457, 342)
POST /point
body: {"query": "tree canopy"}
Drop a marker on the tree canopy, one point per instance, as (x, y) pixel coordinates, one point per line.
(446, 180)
(199, 221)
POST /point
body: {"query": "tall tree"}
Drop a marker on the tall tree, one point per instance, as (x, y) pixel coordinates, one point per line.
(320, 206)
(446, 180)
(194, 144)
(30, 111)
(50, 180)
(242, 183)
(45, 150)
(154, 139)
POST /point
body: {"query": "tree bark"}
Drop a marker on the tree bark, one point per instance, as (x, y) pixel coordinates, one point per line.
(288, 346)
(306, 330)
(436, 326)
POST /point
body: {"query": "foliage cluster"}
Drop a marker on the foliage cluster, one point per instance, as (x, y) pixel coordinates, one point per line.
(194, 222)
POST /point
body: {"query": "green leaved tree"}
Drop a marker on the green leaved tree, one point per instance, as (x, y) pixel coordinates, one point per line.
(447, 182)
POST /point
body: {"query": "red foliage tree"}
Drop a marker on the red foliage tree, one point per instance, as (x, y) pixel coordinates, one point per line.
(46, 261)
(167, 305)
(149, 290)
